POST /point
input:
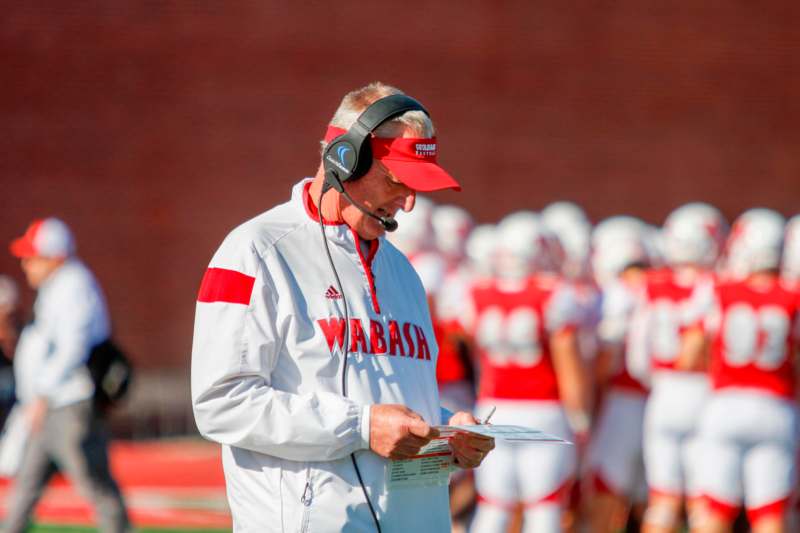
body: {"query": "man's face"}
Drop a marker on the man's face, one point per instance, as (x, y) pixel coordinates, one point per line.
(380, 192)
(37, 269)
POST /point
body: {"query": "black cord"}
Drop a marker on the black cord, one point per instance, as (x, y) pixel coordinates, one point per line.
(346, 347)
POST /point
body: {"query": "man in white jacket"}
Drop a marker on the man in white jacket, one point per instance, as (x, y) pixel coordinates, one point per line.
(54, 387)
(314, 357)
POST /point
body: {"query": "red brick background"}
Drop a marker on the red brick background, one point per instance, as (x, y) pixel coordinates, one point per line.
(153, 128)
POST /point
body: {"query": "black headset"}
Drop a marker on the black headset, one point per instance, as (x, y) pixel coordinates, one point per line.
(349, 156)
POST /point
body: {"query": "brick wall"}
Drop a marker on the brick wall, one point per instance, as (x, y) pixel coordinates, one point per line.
(153, 128)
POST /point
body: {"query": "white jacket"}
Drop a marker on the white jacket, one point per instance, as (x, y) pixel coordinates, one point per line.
(70, 317)
(266, 374)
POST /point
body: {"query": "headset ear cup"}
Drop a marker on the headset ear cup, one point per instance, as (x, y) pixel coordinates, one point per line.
(364, 162)
(342, 157)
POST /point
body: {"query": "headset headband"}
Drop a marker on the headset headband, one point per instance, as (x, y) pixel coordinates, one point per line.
(349, 156)
(385, 108)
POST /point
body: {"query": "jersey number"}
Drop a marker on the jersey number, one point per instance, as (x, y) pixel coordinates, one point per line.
(511, 338)
(756, 336)
(665, 332)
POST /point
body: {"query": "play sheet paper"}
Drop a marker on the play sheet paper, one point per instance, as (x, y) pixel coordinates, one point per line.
(434, 462)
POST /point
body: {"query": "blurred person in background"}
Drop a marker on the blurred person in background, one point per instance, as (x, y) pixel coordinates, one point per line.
(790, 270)
(55, 387)
(313, 359)
(9, 320)
(9, 333)
(616, 484)
(523, 325)
(569, 223)
(790, 273)
(480, 251)
(432, 238)
(691, 241)
(414, 237)
(452, 226)
(455, 369)
(441, 272)
(14, 436)
(735, 263)
(749, 429)
(571, 231)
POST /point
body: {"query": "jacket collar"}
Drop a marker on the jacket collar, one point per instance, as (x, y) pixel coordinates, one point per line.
(338, 232)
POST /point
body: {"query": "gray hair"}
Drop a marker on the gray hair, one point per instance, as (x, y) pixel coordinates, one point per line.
(355, 102)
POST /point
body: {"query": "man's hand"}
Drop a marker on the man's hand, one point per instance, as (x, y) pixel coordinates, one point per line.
(469, 449)
(397, 432)
(35, 413)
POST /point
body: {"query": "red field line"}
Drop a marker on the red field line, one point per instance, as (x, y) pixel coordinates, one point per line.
(165, 483)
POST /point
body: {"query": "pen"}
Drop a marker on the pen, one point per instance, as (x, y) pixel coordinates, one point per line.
(486, 420)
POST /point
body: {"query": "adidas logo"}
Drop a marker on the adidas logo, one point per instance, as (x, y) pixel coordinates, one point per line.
(332, 293)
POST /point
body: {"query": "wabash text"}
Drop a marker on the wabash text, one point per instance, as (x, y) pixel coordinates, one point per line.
(404, 340)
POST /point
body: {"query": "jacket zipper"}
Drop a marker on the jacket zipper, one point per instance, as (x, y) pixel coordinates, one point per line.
(366, 264)
(305, 499)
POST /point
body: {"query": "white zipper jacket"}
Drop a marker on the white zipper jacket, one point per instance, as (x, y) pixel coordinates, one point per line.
(266, 374)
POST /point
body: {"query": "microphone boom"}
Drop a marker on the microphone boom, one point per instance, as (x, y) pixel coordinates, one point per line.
(388, 223)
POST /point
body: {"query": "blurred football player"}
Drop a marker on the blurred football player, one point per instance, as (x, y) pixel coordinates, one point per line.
(615, 453)
(480, 250)
(572, 231)
(749, 429)
(569, 224)
(791, 253)
(454, 370)
(451, 228)
(414, 237)
(523, 324)
(691, 241)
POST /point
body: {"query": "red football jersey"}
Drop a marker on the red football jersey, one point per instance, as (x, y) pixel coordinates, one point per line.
(671, 309)
(451, 365)
(755, 337)
(511, 329)
(621, 325)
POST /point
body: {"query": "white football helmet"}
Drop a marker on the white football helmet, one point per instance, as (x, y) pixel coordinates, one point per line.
(414, 232)
(451, 227)
(791, 250)
(480, 249)
(755, 243)
(693, 234)
(617, 243)
(573, 229)
(561, 214)
(523, 245)
(616, 228)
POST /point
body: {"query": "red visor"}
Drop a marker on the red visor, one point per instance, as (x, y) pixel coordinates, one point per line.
(412, 161)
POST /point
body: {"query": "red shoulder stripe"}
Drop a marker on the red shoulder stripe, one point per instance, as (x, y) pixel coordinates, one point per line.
(223, 285)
